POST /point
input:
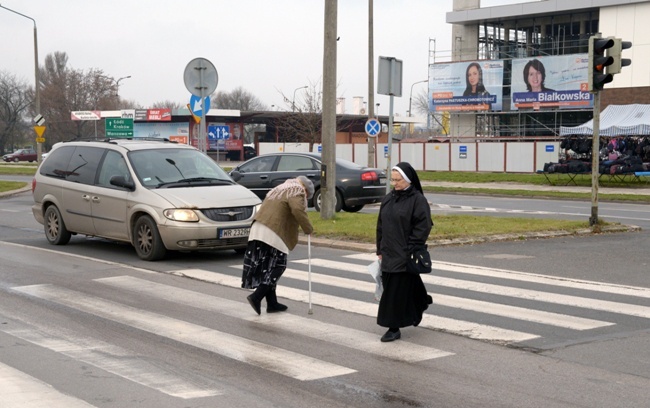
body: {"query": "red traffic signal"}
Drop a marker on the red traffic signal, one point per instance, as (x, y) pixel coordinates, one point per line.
(598, 61)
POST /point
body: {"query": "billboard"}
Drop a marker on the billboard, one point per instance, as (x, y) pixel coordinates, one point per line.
(466, 86)
(558, 81)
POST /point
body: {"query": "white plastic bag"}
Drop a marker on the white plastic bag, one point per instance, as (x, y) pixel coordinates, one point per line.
(375, 271)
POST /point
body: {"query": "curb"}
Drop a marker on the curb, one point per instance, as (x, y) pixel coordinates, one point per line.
(364, 247)
(28, 187)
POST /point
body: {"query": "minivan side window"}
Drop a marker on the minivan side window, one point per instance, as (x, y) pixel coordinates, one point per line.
(57, 162)
(113, 165)
(83, 164)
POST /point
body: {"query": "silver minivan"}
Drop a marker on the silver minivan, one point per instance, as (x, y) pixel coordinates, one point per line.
(155, 194)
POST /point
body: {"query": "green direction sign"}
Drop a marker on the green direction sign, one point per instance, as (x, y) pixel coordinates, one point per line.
(116, 127)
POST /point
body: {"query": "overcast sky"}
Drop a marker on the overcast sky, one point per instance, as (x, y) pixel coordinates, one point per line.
(268, 47)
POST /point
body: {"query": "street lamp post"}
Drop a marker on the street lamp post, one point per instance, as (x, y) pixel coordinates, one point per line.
(117, 86)
(293, 101)
(37, 92)
(411, 95)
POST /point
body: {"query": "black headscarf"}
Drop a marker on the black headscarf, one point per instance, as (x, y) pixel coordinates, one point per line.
(407, 170)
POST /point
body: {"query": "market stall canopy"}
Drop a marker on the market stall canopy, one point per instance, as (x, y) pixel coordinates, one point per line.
(616, 120)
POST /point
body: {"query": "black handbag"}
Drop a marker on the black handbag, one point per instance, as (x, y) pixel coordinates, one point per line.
(419, 261)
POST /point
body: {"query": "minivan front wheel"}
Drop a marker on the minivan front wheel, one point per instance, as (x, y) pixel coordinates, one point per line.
(55, 230)
(147, 241)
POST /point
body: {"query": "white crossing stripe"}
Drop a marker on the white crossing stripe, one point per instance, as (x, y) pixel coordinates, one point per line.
(112, 359)
(249, 351)
(343, 336)
(529, 277)
(468, 329)
(568, 300)
(20, 390)
(531, 315)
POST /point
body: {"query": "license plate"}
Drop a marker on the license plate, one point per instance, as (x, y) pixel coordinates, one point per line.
(225, 233)
(382, 181)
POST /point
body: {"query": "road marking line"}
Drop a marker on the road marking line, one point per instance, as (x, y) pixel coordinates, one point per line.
(343, 336)
(111, 358)
(262, 355)
(21, 390)
(514, 312)
(611, 288)
(468, 329)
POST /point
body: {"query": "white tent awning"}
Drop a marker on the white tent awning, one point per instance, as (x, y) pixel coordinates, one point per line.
(616, 120)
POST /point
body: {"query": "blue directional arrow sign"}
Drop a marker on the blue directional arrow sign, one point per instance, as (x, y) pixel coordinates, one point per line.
(197, 106)
(373, 127)
(218, 132)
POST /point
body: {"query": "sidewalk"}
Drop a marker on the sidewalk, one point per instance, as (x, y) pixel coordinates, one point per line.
(537, 187)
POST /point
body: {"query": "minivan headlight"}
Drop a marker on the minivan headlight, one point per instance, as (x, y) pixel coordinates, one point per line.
(181, 214)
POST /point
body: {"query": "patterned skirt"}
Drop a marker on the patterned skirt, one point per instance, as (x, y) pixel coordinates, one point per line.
(263, 265)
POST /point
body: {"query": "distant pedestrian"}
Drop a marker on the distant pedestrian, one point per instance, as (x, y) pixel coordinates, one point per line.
(404, 222)
(273, 234)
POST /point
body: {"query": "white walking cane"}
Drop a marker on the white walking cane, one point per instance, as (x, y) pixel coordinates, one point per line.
(309, 270)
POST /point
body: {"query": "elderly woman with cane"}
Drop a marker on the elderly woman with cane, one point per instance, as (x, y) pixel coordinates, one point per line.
(273, 234)
(404, 222)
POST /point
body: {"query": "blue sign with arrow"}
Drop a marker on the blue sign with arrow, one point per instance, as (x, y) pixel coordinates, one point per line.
(218, 132)
(373, 127)
(197, 107)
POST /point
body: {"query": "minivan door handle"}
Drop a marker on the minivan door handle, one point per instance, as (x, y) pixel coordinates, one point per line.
(86, 197)
(96, 199)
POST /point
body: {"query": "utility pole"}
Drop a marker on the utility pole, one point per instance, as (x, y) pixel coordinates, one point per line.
(328, 169)
(371, 84)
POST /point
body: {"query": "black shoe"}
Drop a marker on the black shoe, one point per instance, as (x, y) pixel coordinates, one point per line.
(272, 304)
(390, 336)
(278, 307)
(255, 304)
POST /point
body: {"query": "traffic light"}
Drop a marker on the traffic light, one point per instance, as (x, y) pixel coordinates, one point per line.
(616, 53)
(598, 61)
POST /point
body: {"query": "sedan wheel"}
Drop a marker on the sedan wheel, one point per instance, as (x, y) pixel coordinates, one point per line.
(16, 159)
(147, 241)
(338, 205)
(55, 230)
(353, 208)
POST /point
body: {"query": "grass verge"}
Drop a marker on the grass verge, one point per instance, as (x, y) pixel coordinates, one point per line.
(361, 227)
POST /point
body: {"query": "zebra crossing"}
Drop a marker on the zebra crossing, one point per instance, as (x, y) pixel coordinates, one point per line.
(520, 300)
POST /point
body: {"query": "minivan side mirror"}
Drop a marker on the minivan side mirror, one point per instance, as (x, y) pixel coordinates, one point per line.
(236, 175)
(120, 181)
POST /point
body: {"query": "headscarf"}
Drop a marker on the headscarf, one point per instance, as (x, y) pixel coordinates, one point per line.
(309, 186)
(292, 187)
(409, 174)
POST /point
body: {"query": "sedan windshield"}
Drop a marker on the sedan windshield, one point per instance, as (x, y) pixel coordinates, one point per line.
(168, 167)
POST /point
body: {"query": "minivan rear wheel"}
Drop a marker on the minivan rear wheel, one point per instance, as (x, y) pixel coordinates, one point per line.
(147, 241)
(55, 230)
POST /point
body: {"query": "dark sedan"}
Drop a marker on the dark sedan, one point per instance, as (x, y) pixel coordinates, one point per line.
(356, 185)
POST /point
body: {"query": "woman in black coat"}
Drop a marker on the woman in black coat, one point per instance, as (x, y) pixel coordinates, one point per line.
(404, 223)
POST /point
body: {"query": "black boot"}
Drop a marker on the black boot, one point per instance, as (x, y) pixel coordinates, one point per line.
(272, 304)
(255, 298)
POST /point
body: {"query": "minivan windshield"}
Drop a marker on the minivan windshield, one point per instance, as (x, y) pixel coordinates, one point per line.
(175, 168)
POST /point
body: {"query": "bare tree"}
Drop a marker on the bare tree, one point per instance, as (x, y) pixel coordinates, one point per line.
(304, 120)
(167, 104)
(238, 98)
(64, 90)
(14, 103)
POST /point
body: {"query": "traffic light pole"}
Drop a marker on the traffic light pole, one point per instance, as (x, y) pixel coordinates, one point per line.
(595, 163)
